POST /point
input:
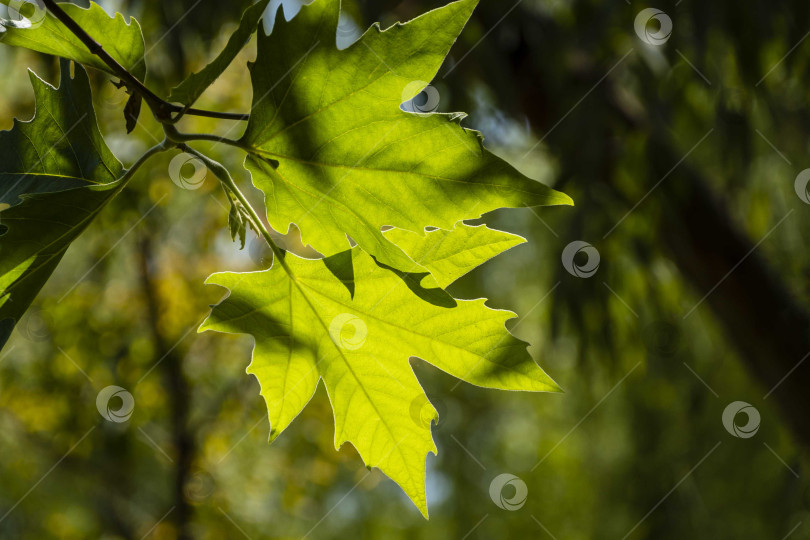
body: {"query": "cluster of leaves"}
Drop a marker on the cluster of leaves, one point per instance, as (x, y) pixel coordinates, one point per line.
(381, 193)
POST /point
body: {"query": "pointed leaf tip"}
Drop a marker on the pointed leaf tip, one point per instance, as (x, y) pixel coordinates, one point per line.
(308, 326)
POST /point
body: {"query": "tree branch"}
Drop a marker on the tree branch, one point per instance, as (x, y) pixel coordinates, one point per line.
(241, 117)
(225, 177)
(129, 173)
(94, 47)
(178, 137)
(162, 109)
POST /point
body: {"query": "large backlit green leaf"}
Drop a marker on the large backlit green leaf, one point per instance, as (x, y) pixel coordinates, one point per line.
(192, 88)
(358, 337)
(448, 255)
(334, 153)
(56, 173)
(44, 33)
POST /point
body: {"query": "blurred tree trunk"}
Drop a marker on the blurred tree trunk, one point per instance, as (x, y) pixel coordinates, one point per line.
(762, 318)
(171, 364)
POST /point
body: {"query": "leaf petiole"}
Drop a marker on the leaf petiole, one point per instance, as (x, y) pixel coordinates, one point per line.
(162, 146)
(225, 177)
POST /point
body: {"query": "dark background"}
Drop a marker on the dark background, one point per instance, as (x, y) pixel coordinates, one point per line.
(681, 159)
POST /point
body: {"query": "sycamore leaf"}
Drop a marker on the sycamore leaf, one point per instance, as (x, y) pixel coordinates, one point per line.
(357, 337)
(448, 255)
(331, 148)
(192, 88)
(45, 33)
(56, 173)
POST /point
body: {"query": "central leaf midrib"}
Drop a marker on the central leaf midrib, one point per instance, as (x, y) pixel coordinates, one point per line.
(405, 329)
(261, 152)
(382, 418)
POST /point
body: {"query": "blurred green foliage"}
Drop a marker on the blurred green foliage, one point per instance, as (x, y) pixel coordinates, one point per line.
(621, 451)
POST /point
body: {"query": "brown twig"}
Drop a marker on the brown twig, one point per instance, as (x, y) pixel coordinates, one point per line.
(162, 109)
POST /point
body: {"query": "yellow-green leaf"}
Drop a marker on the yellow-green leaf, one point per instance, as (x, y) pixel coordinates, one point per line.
(192, 88)
(56, 174)
(334, 153)
(309, 325)
(449, 255)
(45, 33)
